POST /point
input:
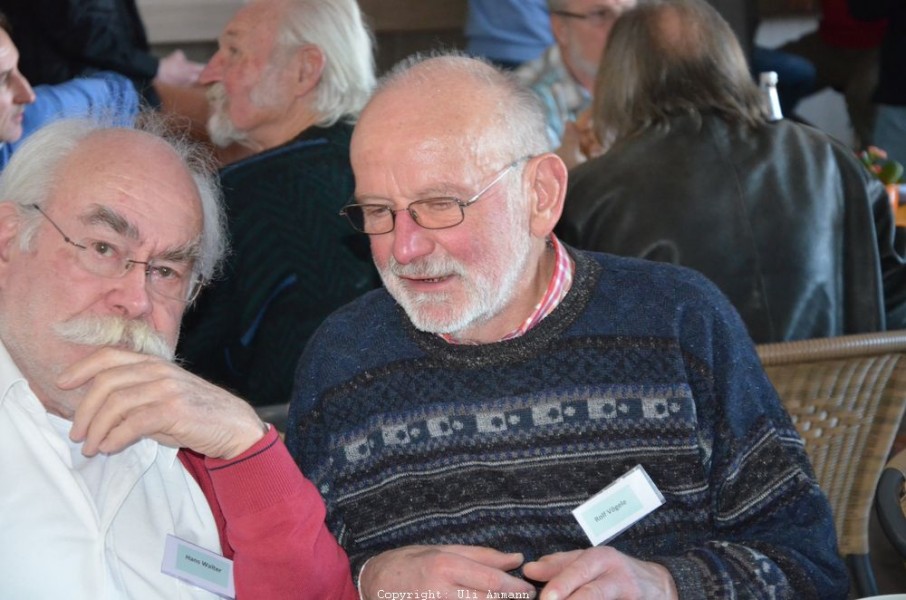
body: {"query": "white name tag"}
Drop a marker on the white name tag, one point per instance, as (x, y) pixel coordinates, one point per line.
(618, 506)
(200, 567)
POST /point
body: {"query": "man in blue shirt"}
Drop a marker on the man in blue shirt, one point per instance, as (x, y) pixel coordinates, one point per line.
(24, 110)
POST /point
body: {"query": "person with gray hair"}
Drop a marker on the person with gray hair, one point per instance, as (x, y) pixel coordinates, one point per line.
(782, 217)
(287, 82)
(122, 470)
(456, 420)
(564, 76)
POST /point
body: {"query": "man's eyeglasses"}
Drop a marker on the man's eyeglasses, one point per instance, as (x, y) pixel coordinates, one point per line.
(170, 280)
(598, 18)
(430, 213)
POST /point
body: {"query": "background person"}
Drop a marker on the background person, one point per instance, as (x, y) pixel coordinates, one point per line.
(24, 110)
(508, 32)
(64, 39)
(890, 95)
(782, 217)
(563, 77)
(287, 83)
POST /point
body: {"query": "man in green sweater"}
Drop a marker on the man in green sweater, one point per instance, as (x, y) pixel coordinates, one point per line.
(287, 82)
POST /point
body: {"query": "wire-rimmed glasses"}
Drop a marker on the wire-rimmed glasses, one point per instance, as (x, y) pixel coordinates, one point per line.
(167, 279)
(430, 213)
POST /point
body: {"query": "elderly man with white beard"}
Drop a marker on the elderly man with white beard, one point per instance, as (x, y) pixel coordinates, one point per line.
(454, 420)
(125, 476)
(287, 82)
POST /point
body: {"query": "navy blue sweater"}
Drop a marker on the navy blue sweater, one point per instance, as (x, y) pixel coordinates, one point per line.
(415, 441)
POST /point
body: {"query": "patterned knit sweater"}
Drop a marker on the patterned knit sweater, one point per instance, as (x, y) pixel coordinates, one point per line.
(294, 261)
(414, 441)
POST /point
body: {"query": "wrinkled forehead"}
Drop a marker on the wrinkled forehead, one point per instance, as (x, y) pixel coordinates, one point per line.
(134, 174)
(422, 122)
(256, 22)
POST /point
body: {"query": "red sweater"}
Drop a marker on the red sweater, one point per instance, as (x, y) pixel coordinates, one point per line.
(838, 28)
(271, 523)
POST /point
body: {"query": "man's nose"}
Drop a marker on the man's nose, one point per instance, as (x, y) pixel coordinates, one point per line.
(23, 94)
(130, 296)
(411, 241)
(212, 72)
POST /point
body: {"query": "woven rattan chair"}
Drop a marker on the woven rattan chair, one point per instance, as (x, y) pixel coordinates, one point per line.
(890, 501)
(846, 396)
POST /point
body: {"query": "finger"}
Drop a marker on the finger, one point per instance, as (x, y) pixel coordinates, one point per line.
(84, 370)
(506, 561)
(114, 404)
(548, 567)
(140, 422)
(488, 579)
(591, 565)
(104, 371)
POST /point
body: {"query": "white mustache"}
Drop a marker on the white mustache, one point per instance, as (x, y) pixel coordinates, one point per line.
(427, 268)
(216, 95)
(131, 334)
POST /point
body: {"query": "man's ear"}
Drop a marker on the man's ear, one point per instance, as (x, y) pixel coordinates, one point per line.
(10, 224)
(548, 177)
(310, 63)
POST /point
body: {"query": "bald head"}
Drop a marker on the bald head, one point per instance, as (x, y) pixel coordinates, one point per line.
(670, 57)
(425, 106)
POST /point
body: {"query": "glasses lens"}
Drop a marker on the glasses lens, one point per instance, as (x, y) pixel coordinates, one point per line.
(372, 219)
(437, 213)
(174, 282)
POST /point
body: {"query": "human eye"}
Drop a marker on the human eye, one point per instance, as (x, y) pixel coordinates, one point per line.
(438, 205)
(4, 78)
(102, 250)
(167, 273)
(602, 15)
(374, 211)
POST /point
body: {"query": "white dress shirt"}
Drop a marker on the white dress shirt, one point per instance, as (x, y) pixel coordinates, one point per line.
(76, 527)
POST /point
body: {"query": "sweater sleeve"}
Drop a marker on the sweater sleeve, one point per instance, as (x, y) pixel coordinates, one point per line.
(771, 531)
(273, 521)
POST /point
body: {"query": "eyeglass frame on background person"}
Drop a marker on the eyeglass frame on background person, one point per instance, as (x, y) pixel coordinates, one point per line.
(449, 202)
(124, 265)
(597, 18)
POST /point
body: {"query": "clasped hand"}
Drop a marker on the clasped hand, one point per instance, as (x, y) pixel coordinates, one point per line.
(600, 573)
(130, 396)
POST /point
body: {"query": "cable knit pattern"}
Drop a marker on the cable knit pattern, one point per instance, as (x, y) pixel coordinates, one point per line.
(415, 441)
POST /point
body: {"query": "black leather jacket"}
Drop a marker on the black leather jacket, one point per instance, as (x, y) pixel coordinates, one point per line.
(783, 219)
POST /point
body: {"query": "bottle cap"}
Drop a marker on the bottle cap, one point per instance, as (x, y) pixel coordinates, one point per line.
(768, 78)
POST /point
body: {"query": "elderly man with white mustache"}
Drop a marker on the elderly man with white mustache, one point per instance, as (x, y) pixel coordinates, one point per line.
(287, 81)
(125, 476)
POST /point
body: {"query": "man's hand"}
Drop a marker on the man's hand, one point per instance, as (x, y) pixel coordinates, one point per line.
(441, 569)
(130, 396)
(601, 573)
(176, 69)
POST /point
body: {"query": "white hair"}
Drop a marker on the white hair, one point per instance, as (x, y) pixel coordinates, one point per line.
(337, 28)
(33, 171)
(518, 126)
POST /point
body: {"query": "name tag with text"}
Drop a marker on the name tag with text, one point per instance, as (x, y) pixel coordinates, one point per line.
(618, 506)
(202, 568)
